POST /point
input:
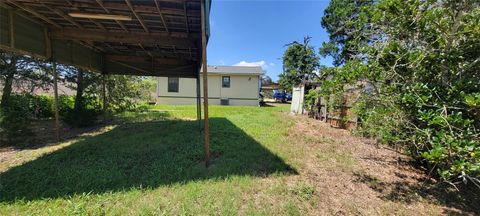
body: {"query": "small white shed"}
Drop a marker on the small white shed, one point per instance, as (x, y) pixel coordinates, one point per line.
(297, 99)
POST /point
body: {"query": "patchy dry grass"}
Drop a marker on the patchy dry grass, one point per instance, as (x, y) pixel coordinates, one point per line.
(266, 163)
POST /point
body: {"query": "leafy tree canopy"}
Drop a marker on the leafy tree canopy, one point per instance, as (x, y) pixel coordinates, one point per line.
(419, 73)
(300, 63)
(347, 23)
(266, 80)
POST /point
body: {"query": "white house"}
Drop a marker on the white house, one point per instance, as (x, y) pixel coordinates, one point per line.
(227, 85)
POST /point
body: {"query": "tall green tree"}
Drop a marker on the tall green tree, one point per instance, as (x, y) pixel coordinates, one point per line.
(13, 67)
(348, 23)
(79, 80)
(300, 63)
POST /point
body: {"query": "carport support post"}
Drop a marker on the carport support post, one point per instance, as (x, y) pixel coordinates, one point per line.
(104, 96)
(199, 100)
(205, 88)
(55, 92)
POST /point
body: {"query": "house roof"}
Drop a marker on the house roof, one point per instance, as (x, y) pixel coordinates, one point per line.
(238, 70)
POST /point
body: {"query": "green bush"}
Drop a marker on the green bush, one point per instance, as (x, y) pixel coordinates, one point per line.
(311, 97)
(420, 89)
(15, 121)
(80, 118)
(42, 106)
(65, 103)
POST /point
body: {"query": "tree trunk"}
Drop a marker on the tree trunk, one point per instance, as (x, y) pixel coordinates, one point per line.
(7, 89)
(80, 88)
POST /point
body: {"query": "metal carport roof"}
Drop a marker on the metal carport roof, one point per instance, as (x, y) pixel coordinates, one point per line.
(132, 37)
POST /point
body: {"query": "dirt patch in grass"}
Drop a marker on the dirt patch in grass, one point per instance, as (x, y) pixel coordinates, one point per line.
(353, 175)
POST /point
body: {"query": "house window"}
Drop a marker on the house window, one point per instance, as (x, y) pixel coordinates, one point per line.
(172, 84)
(226, 82)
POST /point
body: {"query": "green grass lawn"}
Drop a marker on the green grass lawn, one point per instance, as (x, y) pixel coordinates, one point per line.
(264, 162)
(152, 164)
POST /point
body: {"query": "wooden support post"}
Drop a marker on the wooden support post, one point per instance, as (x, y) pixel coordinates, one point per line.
(104, 96)
(205, 88)
(48, 43)
(12, 29)
(199, 100)
(55, 92)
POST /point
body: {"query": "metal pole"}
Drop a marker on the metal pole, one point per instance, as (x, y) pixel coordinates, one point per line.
(55, 92)
(104, 96)
(205, 89)
(199, 101)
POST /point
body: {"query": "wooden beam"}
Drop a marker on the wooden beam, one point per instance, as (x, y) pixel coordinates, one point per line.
(157, 5)
(143, 48)
(138, 8)
(98, 24)
(146, 69)
(163, 61)
(102, 16)
(69, 2)
(139, 18)
(206, 134)
(130, 66)
(48, 44)
(90, 45)
(100, 2)
(185, 16)
(12, 29)
(32, 11)
(64, 16)
(167, 39)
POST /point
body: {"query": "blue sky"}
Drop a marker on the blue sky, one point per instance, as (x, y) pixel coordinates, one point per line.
(255, 32)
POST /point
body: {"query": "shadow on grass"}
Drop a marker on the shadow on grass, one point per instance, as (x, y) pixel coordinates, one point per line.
(44, 130)
(146, 155)
(466, 200)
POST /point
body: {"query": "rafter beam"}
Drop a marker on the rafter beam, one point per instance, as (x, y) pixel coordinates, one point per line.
(139, 18)
(164, 39)
(32, 11)
(157, 5)
(185, 16)
(98, 24)
(64, 16)
(138, 8)
(100, 2)
(143, 48)
(156, 60)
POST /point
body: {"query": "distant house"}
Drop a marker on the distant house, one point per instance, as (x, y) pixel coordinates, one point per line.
(35, 87)
(227, 85)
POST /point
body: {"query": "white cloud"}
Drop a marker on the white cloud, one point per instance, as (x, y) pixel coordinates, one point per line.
(261, 63)
(271, 64)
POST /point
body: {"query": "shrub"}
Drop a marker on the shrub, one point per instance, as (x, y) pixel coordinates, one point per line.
(42, 106)
(83, 117)
(311, 98)
(65, 103)
(420, 88)
(14, 121)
